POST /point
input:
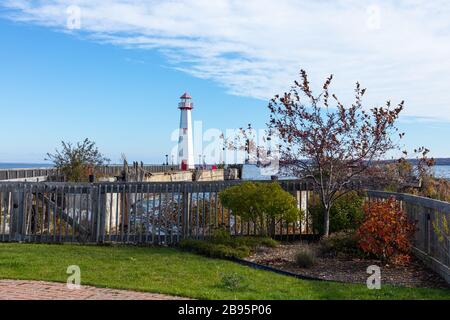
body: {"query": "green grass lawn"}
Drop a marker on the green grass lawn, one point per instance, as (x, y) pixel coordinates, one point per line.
(169, 271)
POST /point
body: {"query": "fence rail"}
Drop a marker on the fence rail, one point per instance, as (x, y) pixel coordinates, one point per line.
(158, 213)
(14, 174)
(431, 240)
(113, 170)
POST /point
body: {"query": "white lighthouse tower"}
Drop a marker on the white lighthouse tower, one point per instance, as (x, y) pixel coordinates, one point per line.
(185, 142)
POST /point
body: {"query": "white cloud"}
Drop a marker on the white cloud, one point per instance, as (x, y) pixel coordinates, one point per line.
(255, 47)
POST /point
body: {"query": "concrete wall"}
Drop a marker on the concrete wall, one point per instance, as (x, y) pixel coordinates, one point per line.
(210, 175)
(33, 179)
(169, 176)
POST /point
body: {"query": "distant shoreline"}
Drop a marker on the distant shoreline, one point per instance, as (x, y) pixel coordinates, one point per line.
(437, 161)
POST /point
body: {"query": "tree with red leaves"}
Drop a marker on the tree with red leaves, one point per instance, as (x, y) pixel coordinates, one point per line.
(327, 142)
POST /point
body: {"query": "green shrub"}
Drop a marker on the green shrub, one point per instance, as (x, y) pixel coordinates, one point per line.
(340, 243)
(222, 245)
(260, 202)
(346, 213)
(76, 161)
(305, 257)
(214, 250)
(221, 234)
(233, 281)
(268, 242)
(251, 242)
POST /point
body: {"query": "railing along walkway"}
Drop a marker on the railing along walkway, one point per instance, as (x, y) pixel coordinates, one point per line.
(133, 212)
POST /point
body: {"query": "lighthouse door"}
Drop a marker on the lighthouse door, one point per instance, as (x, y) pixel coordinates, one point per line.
(184, 166)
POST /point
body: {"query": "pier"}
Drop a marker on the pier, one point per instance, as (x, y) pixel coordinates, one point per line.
(136, 172)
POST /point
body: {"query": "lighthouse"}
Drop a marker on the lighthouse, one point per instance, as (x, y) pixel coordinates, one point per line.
(185, 142)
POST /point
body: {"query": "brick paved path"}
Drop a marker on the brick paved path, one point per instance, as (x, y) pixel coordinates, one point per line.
(40, 290)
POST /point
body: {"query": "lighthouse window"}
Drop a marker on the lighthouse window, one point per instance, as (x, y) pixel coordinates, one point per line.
(180, 153)
(180, 139)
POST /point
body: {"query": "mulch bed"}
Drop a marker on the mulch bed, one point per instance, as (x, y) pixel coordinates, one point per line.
(347, 269)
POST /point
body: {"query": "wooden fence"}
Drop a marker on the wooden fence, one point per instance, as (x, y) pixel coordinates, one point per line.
(158, 213)
(116, 170)
(15, 174)
(112, 170)
(431, 240)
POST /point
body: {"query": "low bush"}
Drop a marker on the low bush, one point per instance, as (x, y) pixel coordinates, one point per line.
(214, 250)
(346, 213)
(386, 232)
(343, 243)
(433, 187)
(233, 281)
(305, 257)
(222, 245)
(251, 242)
(221, 234)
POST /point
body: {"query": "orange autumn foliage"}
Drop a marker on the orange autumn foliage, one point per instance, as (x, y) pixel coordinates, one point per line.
(386, 232)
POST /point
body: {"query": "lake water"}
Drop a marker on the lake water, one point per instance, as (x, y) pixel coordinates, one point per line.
(251, 172)
(6, 165)
(442, 171)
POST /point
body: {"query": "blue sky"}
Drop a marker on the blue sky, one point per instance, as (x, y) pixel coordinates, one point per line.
(57, 87)
(117, 79)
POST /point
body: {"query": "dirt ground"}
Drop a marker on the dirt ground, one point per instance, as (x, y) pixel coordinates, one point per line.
(347, 269)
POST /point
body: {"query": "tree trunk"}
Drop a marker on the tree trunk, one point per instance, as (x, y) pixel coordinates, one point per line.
(326, 221)
(272, 227)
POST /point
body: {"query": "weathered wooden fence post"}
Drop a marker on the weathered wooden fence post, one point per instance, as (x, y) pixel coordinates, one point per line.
(18, 214)
(95, 213)
(5, 209)
(102, 214)
(186, 212)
